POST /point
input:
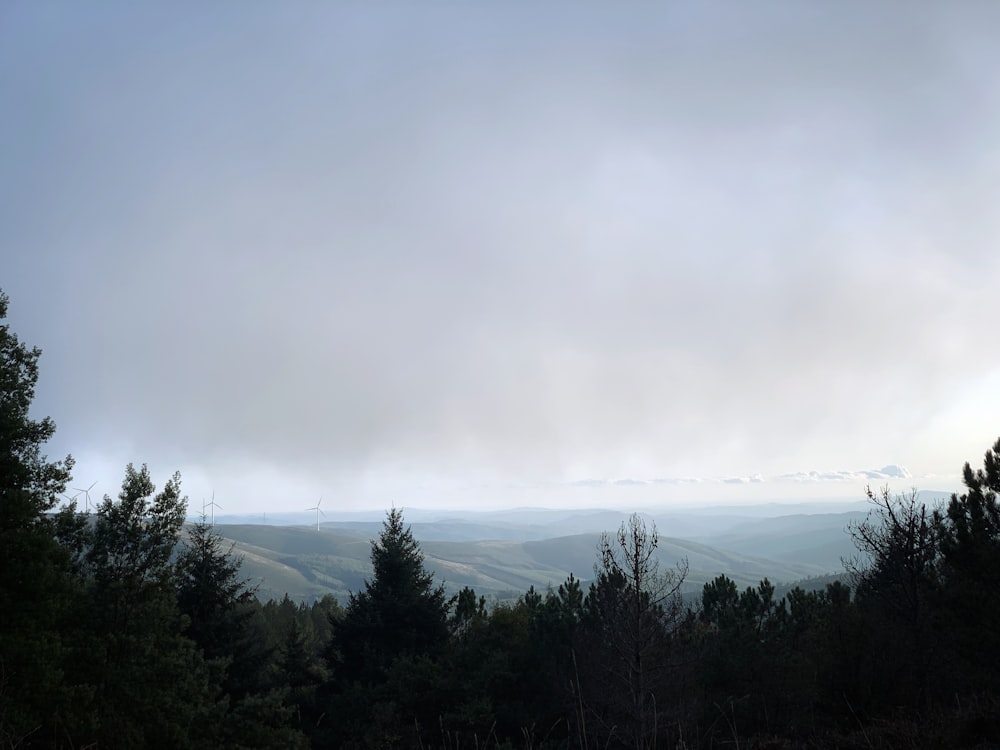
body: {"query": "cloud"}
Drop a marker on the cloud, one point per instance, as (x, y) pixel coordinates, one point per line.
(407, 249)
(886, 473)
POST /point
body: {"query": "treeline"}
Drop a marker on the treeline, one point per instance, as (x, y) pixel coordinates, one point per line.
(122, 629)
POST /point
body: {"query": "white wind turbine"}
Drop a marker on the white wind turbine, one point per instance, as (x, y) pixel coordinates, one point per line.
(213, 505)
(86, 494)
(318, 511)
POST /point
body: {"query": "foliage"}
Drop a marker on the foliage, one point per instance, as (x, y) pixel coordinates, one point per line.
(211, 592)
(36, 585)
(150, 684)
(897, 586)
(400, 614)
(628, 618)
(969, 533)
(252, 707)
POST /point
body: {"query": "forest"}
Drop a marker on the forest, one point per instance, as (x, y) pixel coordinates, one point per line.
(120, 627)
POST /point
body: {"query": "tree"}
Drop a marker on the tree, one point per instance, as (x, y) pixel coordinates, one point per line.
(253, 709)
(400, 615)
(302, 671)
(743, 662)
(30, 484)
(211, 592)
(720, 600)
(400, 611)
(150, 685)
(36, 585)
(896, 581)
(970, 549)
(630, 611)
(468, 610)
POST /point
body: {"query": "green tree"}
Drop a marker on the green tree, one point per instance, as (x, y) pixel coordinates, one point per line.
(720, 600)
(970, 549)
(252, 706)
(399, 612)
(400, 616)
(511, 668)
(495, 677)
(150, 685)
(468, 610)
(213, 595)
(36, 585)
(826, 654)
(302, 671)
(741, 662)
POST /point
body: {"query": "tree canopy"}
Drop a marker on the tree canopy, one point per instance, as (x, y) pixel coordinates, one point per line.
(400, 611)
(36, 586)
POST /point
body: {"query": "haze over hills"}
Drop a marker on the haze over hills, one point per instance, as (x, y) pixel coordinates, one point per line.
(502, 553)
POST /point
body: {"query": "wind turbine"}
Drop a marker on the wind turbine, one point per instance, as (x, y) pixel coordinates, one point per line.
(72, 499)
(213, 505)
(86, 494)
(318, 511)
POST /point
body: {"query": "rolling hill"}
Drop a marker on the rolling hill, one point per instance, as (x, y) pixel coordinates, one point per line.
(502, 557)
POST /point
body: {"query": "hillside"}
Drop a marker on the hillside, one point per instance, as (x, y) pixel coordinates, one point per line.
(503, 557)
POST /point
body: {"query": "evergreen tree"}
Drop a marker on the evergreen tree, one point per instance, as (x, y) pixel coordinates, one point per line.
(399, 612)
(302, 671)
(494, 677)
(251, 704)
(211, 592)
(36, 585)
(720, 600)
(970, 548)
(400, 620)
(468, 610)
(150, 685)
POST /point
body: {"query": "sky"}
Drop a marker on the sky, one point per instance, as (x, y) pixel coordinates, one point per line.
(485, 255)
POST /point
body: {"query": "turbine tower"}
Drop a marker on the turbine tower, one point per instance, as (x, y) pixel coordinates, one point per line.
(213, 505)
(86, 494)
(318, 511)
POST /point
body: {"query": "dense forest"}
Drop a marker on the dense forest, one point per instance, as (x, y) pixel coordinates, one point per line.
(122, 628)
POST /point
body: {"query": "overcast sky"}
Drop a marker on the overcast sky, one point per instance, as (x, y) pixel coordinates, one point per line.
(482, 254)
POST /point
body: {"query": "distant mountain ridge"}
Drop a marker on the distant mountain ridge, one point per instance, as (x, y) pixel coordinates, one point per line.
(502, 554)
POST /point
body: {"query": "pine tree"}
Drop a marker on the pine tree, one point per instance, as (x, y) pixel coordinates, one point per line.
(400, 611)
(252, 710)
(36, 585)
(211, 592)
(150, 685)
(398, 622)
(970, 549)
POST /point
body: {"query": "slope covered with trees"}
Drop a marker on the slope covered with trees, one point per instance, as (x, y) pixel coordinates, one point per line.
(118, 629)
